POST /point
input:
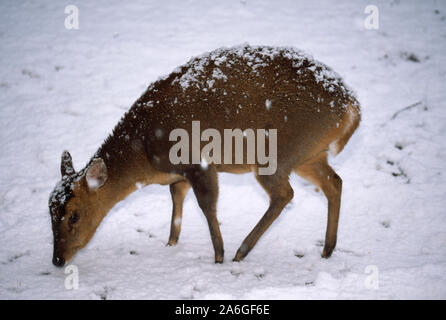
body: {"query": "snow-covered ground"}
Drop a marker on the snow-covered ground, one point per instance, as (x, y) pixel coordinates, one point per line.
(66, 89)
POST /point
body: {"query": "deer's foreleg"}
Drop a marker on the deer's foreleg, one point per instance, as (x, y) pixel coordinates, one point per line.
(205, 185)
(178, 191)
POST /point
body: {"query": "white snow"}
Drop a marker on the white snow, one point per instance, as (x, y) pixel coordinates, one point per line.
(177, 222)
(268, 104)
(66, 89)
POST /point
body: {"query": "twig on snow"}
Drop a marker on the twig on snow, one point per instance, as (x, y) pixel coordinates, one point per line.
(405, 109)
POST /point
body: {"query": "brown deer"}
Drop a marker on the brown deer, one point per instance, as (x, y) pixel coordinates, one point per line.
(243, 87)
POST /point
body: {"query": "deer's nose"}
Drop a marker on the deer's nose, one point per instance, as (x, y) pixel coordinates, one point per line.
(58, 261)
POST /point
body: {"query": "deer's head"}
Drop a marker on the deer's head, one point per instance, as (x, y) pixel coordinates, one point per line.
(75, 207)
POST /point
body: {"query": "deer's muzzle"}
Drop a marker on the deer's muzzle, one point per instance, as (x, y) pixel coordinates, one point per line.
(58, 261)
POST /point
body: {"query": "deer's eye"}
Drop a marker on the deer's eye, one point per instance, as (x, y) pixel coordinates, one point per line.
(73, 218)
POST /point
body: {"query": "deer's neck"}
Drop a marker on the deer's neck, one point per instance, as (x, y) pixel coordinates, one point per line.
(125, 157)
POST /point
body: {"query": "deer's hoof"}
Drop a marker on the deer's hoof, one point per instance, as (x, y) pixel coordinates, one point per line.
(219, 260)
(326, 253)
(238, 256)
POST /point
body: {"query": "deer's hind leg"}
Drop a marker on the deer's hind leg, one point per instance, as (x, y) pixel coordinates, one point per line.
(280, 193)
(318, 172)
(178, 191)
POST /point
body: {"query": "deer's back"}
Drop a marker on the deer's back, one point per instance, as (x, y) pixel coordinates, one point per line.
(251, 87)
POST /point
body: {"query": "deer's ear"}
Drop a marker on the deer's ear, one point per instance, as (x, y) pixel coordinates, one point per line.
(96, 174)
(66, 164)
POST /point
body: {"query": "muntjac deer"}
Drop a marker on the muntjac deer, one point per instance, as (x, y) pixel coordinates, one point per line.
(271, 89)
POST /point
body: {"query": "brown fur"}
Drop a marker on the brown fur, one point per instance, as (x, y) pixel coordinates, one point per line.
(309, 106)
